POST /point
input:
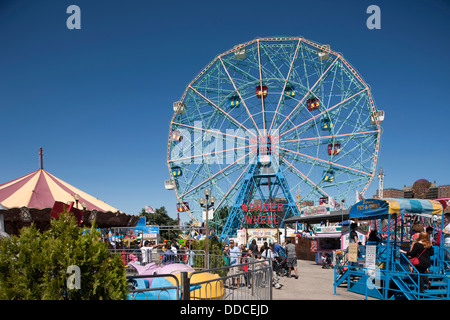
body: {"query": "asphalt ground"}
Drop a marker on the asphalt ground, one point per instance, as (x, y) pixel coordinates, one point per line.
(313, 283)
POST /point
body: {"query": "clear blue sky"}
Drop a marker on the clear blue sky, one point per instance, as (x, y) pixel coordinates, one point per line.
(99, 100)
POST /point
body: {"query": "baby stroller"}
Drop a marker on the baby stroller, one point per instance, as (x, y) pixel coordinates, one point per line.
(279, 265)
(326, 259)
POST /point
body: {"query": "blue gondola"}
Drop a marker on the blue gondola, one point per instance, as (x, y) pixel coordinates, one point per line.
(177, 172)
(234, 102)
(326, 124)
(328, 176)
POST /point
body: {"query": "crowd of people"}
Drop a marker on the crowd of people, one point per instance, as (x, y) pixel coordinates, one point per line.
(167, 253)
(233, 255)
(421, 249)
(282, 264)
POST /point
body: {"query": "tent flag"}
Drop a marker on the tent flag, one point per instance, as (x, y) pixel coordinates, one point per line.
(333, 203)
(382, 208)
(149, 209)
(359, 196)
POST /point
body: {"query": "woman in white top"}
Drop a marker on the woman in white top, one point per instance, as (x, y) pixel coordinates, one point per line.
(268, 254)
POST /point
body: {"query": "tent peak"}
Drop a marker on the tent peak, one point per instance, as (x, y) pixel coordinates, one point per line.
(41, 157)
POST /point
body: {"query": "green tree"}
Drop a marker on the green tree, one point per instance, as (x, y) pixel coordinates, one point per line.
(216, 259)
(220, 218)
(33, 265)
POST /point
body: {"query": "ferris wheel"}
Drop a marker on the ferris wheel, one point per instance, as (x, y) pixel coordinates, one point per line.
(290, 105)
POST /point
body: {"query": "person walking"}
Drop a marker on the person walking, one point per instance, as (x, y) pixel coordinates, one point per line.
(291, 262)
(269, 254)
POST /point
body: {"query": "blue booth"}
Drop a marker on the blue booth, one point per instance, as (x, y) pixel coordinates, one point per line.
(380, 269)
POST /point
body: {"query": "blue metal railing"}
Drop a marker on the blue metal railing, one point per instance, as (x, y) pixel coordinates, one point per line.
(395, 277)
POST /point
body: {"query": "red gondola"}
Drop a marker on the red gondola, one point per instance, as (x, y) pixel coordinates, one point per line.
(334, 149)
(312, 104)
(182, 207)
(261, 92)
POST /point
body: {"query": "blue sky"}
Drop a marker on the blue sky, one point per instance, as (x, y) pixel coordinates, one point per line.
(99, 100)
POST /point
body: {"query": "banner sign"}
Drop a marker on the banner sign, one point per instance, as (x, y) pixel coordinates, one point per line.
(314, 210)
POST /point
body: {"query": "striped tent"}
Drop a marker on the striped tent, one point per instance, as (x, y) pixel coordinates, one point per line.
(382, 208)
(41, 189)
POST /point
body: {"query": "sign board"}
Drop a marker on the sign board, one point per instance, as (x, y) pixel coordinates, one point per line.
(269, 220)
(240, 235)
(261, 235)
(371, 256)
(263, 207)
(313, 247)
(373, 208)
(329, 229)
(352, 254)
(149, 236)
(346, 239)
(314, 210)
(210, 214)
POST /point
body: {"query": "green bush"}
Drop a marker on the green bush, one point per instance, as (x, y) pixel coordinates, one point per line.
(216, 259)
(33, 266)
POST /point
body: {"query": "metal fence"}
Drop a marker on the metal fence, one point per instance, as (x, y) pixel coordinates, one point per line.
(195, 258)
(247, 281)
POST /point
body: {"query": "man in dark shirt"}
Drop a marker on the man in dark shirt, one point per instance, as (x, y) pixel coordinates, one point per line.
(169, 255)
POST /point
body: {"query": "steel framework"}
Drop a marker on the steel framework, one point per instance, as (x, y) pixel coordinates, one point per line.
(305, 97)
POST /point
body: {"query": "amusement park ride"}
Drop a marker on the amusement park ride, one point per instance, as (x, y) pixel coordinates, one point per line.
(268, 117)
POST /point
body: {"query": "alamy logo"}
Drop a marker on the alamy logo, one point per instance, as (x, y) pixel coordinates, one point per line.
(74, 20)
(74, 279)
(374, 21)
(214, 146)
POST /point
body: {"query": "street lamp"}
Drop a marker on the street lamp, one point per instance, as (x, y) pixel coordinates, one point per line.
(207, 203)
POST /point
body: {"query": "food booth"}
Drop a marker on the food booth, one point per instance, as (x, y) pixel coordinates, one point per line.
(331, 233)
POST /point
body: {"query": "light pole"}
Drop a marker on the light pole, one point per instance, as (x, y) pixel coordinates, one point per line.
(207, 203)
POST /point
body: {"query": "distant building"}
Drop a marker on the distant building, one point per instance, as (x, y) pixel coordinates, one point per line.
(390, 193)
(421, 189)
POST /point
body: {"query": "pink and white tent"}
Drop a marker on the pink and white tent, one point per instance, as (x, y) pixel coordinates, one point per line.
(41, 189)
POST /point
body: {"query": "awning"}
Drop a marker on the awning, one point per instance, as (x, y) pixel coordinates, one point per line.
(444, 201)
(333, 216)
(382, 208)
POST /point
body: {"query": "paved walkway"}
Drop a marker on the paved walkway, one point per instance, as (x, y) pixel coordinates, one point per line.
(313, 283)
